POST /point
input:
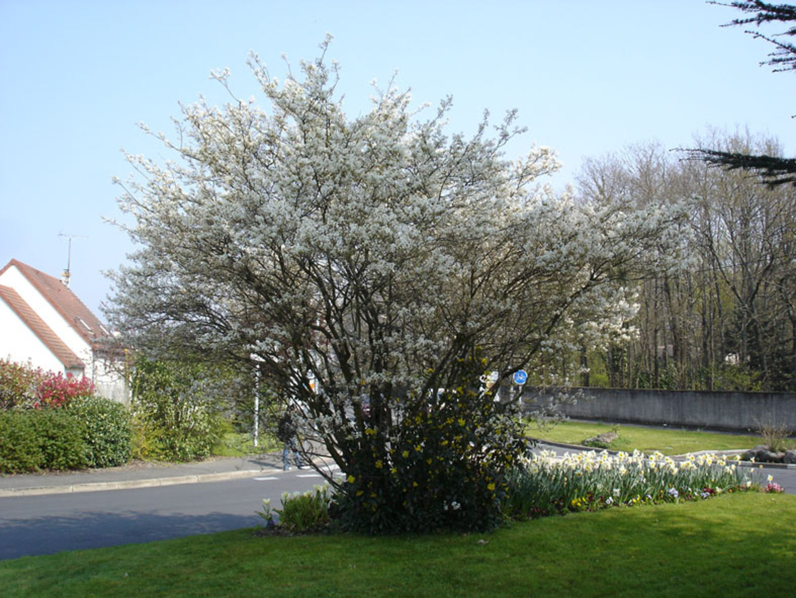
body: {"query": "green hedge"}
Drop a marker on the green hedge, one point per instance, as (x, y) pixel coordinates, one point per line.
(92, 432)
(61, 439)
(19, 447)
(107, 430)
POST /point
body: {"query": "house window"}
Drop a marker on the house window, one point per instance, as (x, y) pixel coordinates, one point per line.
(84, 324)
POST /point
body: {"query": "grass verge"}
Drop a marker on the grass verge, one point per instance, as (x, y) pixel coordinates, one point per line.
(648, 440)
(236, 444)
(731, 545)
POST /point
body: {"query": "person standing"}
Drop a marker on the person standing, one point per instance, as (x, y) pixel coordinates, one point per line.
(287, 432)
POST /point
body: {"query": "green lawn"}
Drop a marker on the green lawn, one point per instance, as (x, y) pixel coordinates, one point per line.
(732, 545)
(236, 444)
(667, 441)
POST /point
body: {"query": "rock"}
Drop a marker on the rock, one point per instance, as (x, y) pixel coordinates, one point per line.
(761, 454)
(790, 456)
(772, 457)
(753, 453)
(601, 440)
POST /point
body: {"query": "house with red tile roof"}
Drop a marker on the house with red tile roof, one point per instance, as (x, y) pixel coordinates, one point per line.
(44, 324)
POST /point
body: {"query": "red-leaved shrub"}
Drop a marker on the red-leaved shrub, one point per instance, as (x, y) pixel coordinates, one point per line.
(22, 387)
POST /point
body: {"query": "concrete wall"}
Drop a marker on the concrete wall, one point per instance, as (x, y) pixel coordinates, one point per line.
(114, 390)
(735, 411)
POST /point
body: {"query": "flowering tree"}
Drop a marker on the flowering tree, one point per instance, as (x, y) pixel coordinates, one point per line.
(368, 265)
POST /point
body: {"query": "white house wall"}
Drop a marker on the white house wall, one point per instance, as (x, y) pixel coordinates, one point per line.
(19, 344)
(107, 379)
(16, 280)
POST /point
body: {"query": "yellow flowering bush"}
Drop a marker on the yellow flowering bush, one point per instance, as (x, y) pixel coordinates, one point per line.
(443, 468)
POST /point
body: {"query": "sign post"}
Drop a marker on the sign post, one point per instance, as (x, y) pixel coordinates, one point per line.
(256, 427)
(520, 377)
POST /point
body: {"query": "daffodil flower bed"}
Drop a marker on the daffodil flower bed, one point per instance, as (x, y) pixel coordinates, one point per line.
(588, 481)
(546, 485)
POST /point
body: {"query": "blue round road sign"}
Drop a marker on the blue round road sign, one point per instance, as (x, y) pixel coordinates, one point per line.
(520, 377)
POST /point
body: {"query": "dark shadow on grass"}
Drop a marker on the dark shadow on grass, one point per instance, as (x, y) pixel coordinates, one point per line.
(49, 535)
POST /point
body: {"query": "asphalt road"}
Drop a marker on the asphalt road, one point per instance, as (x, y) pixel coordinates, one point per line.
(36, 525)
(784, 477)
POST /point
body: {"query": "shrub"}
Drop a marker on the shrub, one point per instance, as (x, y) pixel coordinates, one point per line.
(19, 446)
(18, 384)
(301, 512)
(107, 430)
(443, 469)
(22, 387)
(175, 414)
(142, 445)
(61, 439)
(41, 439)
(57, 390)
(54, 421)
(775, 437)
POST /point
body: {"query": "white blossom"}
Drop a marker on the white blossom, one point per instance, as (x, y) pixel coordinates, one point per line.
(367, 253)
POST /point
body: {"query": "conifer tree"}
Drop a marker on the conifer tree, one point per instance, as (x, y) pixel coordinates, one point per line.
(773, 170)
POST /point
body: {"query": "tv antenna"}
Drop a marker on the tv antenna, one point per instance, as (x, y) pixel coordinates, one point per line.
(67, 274)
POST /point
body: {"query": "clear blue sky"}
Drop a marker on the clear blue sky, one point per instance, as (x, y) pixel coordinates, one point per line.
(587, 77)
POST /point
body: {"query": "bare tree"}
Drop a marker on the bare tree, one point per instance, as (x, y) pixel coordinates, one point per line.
(725, 319)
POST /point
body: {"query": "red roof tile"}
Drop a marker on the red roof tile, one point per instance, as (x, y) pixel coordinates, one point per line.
(45, 334)
(66, 303)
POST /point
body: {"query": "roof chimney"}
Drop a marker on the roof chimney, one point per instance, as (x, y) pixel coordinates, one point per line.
(65, 276)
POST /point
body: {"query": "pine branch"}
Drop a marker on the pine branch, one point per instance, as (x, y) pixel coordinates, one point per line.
(784, 57)
(773, 170)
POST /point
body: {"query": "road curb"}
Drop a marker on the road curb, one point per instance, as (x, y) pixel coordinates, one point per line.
(758, 465)
(576, 447)
(131, 484)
